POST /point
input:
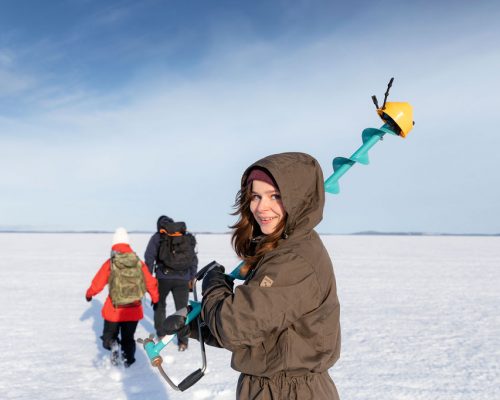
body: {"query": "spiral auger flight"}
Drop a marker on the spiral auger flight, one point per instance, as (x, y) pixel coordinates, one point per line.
(398, 121)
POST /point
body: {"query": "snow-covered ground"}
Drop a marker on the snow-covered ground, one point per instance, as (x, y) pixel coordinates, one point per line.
(420, 320)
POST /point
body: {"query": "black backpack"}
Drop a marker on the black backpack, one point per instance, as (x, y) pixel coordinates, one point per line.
(177, 247)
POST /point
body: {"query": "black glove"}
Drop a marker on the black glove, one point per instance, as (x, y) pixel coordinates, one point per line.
(174, 323)
(202, 272)
(216, 278)
(88, 298)
(154, 305)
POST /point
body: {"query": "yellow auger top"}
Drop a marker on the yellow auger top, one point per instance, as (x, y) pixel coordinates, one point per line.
(400, 114)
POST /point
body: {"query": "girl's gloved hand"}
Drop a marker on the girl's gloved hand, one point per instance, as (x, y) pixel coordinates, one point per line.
(175, 324)
(215, 278)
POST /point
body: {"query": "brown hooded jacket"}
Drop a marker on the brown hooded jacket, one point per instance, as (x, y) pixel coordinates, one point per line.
(282, 324)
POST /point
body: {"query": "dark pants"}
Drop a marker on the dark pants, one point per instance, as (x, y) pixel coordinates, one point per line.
(180, 291)
(126, 330)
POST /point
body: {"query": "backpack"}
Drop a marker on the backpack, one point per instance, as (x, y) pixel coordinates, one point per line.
(126, 281)
(177, 247)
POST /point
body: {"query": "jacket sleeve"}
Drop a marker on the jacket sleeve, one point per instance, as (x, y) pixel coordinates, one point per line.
(151, 284)
(207, 337)
(152, 252)
(100, 280)
(252, 312)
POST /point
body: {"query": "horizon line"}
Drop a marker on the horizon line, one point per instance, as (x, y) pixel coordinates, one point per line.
(361, 233)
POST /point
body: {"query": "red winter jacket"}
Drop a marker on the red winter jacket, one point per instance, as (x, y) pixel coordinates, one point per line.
(109, 312)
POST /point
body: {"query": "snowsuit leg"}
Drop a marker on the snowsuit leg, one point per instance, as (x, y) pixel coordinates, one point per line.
(317, 386)
(109, 334)
(180, 292)
(127, 331)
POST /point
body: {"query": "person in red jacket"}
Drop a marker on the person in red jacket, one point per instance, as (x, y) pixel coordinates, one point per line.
(120, 322)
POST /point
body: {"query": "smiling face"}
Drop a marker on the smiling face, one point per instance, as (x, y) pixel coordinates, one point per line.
(266, 206)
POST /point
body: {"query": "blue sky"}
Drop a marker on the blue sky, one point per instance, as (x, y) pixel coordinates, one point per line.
(113, 113)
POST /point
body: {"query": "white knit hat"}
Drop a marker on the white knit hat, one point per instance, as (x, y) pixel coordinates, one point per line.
(120, 236)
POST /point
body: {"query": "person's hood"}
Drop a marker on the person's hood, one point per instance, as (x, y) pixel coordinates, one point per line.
(163, 220)
(122, 248)
(300, 182)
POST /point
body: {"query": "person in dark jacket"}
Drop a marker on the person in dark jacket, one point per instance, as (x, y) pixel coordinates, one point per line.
(120, 322)
(282, 324)
(177, 282)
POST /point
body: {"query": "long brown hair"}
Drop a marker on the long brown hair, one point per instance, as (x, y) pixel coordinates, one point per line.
(246, 229)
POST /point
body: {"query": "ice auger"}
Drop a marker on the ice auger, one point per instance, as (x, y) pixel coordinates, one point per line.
(398, 121)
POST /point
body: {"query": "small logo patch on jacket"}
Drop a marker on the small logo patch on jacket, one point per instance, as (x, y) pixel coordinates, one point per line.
(266, 282)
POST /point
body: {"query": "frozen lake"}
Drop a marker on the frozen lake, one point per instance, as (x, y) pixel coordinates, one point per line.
(420, 320)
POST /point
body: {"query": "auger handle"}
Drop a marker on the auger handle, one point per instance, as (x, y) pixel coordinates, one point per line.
(190, 380)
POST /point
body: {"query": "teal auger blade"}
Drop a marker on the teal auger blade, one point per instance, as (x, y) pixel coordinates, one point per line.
(341, 165)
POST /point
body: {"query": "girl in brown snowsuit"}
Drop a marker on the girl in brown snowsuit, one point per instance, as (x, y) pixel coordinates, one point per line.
(281, 324)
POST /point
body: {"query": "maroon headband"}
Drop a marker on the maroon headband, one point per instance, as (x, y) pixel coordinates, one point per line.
(258, 174)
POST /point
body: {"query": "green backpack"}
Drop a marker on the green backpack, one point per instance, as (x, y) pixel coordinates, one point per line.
(126, 281)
